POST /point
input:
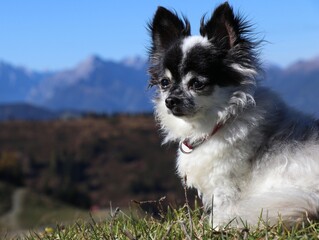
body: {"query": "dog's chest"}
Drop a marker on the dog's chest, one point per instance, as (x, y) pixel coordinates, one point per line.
(205, 163)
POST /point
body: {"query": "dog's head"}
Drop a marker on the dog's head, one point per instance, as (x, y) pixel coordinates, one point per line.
(198, 76)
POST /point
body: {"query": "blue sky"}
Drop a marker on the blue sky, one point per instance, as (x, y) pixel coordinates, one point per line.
(57, 34)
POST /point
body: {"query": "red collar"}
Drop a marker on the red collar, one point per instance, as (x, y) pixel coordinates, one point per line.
(187, 147)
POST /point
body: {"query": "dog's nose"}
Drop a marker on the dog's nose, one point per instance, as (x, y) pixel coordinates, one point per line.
(171, 102)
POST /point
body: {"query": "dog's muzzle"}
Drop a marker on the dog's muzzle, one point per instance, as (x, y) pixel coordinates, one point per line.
(174, 104)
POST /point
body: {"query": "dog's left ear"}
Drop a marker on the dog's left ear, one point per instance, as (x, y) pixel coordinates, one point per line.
(166, 28)
(223, 28)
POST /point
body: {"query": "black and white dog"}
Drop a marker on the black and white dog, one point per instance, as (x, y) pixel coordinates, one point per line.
(240, 145)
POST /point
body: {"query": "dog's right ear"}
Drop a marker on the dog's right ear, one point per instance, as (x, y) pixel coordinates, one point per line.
(166, 28)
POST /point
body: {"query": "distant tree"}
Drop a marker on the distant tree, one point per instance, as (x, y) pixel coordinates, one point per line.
(10, 167)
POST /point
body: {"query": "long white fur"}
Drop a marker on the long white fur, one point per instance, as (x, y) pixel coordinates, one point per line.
(284, 182)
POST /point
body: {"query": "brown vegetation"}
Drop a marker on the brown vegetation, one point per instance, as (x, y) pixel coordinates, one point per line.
(90, 161)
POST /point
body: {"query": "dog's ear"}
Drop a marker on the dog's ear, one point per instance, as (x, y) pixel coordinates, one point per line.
(223, 28)
(166, 28)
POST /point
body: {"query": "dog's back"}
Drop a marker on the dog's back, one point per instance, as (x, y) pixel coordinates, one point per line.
(285, 174)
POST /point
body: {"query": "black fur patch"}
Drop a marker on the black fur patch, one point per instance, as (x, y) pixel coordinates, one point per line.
(209, 63)
(172, 61)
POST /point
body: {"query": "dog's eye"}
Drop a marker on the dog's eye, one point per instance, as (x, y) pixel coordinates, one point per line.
(197, 85)
(165, 83)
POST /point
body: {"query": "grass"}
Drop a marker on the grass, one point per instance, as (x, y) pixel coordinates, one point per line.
(169, 223)
(179, 223)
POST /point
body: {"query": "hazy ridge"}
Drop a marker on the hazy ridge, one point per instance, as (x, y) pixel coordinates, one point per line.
(104, 86)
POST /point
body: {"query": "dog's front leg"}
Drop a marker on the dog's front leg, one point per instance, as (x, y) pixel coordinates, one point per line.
(221, 204)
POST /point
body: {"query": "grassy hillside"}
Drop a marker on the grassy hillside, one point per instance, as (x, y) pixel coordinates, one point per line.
(85, 164)
(91, 161)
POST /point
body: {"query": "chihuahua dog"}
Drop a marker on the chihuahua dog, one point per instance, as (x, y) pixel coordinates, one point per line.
(247, 153)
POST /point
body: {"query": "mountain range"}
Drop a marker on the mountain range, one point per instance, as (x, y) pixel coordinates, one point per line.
(104, 86)
(298, 84)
